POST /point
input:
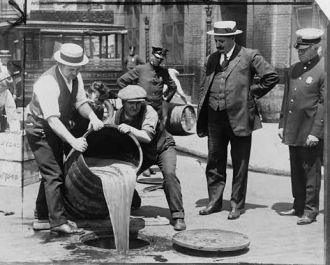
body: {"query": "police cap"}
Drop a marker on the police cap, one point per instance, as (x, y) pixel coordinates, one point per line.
(159, 52)
(307, 37)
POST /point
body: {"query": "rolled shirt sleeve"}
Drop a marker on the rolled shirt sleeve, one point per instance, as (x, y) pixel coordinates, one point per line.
(150, 121)
(81, 94)
(47, 92)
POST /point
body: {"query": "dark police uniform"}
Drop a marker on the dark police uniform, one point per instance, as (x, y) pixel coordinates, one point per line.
(152, 79)
(302, 114)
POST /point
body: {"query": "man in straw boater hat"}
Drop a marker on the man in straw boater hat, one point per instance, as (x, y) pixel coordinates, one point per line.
(227, 113)
(301, 124)
(55, 94)
(141, 120)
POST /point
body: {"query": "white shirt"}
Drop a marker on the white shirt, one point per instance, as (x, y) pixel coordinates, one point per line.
(228, 54)
(47, 91)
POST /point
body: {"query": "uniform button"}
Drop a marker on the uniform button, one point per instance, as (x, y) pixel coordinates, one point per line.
(295, 89)
(305, 67)
(291, 100)
(290, 111)
(299, 78)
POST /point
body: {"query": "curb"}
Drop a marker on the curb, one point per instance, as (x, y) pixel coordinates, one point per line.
(203, 156)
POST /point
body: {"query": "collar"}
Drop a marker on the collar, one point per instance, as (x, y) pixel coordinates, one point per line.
(312, 61)
(229, 54)
(65, 79)
(300, 68)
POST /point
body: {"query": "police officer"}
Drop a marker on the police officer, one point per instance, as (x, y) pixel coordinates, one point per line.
(132, 59)
(152, 77)
(302, 123)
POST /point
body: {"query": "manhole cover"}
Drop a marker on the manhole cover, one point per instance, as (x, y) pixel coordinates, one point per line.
(211, 240)
(149, 180)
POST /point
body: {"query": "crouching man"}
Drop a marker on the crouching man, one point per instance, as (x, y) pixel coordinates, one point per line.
(158, 146)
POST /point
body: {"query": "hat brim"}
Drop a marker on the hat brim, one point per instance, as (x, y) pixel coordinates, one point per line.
(58, 58)
(211, 32)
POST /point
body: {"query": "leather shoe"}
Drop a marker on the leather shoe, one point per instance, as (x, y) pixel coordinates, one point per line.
(210, 209)
(306, 219)
(291, 212)
(179, 224)
(67, 229)
(234, 214)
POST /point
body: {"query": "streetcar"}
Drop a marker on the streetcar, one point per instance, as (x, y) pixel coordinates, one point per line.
(32, 47)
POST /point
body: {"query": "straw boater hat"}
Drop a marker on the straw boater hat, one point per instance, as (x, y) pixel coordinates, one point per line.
(307, 37)
(71, 54)
(132, 93)
(224, 28)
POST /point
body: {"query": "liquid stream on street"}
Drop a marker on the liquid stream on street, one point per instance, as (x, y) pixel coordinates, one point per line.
(118, 182)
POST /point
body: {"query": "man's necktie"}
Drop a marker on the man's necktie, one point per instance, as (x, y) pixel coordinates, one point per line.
(225, 62)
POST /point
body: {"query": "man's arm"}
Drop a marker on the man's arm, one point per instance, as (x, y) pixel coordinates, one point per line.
(79, 144)
(129, 78)
(148, 127)
(141, 135)
(268, 77)
(318, 125)
(86, 111)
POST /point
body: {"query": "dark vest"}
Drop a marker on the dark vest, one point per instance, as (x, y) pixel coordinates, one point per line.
(161, 141)
(66, 99)
(217, 94)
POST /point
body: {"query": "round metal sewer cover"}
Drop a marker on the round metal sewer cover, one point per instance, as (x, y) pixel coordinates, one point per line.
(211, 240)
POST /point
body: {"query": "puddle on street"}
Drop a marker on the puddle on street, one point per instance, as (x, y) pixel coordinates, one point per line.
(100, 245)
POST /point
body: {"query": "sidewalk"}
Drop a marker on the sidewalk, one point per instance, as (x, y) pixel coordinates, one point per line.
(268, 154)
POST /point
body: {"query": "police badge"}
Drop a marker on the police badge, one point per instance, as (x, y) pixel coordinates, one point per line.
(309, 80)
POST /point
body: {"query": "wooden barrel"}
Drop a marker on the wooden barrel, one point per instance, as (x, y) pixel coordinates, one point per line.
(181, 119)
(83, 194)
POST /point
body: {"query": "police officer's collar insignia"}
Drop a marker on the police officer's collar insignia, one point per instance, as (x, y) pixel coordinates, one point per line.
(309, 80)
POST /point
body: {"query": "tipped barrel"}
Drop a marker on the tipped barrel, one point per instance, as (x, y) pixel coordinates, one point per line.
(83, 193)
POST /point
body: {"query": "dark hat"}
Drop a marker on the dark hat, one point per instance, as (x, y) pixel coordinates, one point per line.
(159, 52)
(132, 93)
(307, 37)
(225, 28)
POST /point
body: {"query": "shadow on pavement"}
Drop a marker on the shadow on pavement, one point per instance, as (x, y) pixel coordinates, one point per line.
(226, 204)
(281, 206)
(152, 211)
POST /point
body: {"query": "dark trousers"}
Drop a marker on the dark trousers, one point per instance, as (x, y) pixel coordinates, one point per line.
(47, 148)
(220, 134)
(166, 161)
(305, 165)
